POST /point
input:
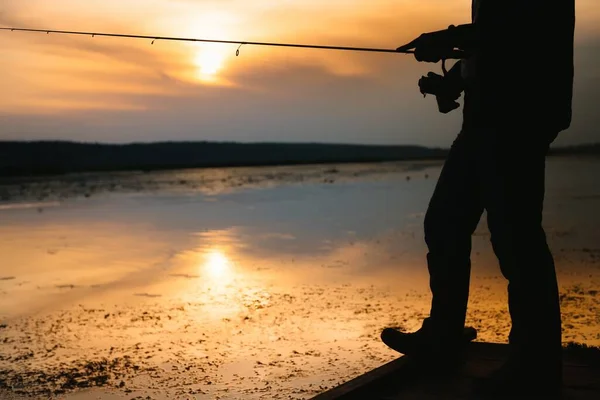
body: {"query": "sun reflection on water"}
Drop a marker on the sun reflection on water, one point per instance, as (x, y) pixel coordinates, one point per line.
(217, 264)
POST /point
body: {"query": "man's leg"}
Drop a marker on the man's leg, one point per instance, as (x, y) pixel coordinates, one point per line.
(514, 185)
(452, 216)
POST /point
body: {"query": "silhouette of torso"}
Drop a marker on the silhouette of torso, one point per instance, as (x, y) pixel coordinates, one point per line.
(523, 71)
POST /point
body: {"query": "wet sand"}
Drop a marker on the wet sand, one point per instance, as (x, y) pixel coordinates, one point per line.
(249, 283)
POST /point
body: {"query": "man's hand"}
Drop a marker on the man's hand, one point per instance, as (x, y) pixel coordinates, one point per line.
(434, 46)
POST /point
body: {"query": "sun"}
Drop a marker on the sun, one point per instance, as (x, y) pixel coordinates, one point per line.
(209, 61)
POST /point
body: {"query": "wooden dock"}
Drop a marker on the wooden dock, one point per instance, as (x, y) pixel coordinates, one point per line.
(396, 380)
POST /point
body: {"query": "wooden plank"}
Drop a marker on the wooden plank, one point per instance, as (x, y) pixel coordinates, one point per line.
(365, 382)
(392, 376)
(399, 380)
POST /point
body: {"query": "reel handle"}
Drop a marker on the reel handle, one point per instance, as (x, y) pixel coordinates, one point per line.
(445, 105)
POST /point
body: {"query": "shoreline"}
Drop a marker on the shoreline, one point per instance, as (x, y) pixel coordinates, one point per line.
(25, 177)
(165, 168)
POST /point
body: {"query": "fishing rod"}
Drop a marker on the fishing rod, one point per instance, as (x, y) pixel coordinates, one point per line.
(453, 54)
(186, 39)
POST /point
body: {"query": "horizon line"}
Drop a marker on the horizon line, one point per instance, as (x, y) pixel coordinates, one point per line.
(182, 141)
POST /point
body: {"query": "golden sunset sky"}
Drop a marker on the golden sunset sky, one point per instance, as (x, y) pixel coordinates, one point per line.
(127, 90)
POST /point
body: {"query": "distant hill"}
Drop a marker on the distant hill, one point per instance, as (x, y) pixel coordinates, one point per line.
(583, 149)
(21, 158)
(57, 157)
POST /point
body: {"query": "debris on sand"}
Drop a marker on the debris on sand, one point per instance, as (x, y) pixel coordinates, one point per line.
(77, 375)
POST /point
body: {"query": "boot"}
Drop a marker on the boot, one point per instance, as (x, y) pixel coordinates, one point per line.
(433, 346)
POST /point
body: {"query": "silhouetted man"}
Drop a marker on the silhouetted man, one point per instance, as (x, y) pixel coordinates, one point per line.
(517, 78)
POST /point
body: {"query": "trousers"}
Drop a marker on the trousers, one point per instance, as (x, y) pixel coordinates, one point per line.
(501, 172)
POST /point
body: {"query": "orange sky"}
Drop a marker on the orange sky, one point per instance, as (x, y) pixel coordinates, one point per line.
(106, 89)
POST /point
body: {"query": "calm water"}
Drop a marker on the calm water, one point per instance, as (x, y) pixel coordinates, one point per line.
(249, 282)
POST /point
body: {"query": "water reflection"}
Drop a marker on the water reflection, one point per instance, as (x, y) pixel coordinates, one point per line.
(218, 266)
(285, 286)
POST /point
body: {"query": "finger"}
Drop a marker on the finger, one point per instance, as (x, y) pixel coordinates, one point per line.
(404, 48)
(427, 55)
(408, 46)
(424, 57)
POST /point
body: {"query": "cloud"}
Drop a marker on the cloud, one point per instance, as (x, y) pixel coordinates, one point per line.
(306, 103)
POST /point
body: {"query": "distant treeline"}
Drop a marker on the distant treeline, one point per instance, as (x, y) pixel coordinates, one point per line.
(583, 149)
(57, 157)
(20, 158)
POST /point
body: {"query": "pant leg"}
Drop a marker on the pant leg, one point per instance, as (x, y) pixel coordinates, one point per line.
(452, 216)
(513, 179)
